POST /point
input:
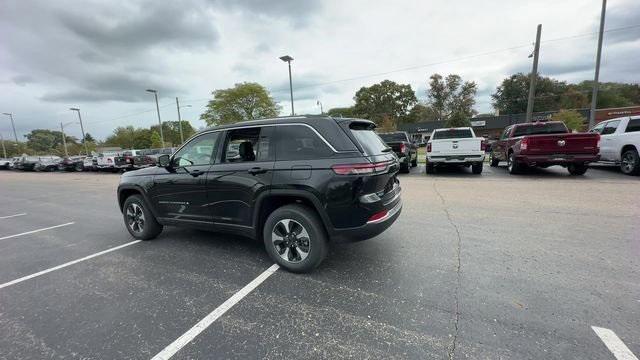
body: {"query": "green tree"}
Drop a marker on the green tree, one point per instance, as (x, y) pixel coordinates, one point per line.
(156, 140)
(451, 99)
(571, 118)
(43, 141)
(347, 112)
(245, 101)
(422, 113)
(385, 99)
(171, 131)
(512, 95)
(89, 138)
(128, 137)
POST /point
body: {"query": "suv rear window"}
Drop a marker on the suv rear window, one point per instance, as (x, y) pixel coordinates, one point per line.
(370, 141)
(633, 125)
(393, 137)
(452, 134)
(542, 128)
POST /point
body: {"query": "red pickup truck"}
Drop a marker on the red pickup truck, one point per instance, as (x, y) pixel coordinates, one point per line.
(544, 144)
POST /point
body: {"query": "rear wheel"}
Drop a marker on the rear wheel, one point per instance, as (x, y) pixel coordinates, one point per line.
(577, 169)
(139, 220)
(476, 168)
(494, 161)
(294, 237)
(630, 163)
(512, 165)
(414, 162)
(79, 167)
(430, 168)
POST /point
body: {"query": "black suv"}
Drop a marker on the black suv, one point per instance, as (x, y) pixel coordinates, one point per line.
(296, 183)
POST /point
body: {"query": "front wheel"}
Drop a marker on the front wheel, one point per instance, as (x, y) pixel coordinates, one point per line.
(630, 163)
(577, 169)
(139, 220)
(294, 237)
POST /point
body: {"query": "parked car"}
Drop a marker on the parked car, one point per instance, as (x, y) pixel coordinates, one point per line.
(455, 146)
(620, 143)
(90, 163)
(403, 147)
(5, 163)
(14, 162)
(106, 161)
(544, 144)
(47, 163)
(72, 163)
(299, 183)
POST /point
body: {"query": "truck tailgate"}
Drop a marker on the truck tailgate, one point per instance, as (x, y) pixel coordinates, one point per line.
(456, 146)
(579, 143)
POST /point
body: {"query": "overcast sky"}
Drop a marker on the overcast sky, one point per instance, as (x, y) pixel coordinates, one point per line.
(102, 55)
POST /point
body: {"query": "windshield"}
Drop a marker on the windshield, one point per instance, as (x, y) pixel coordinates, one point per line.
(371, 143)
(393, 137)
(540, 128)
(452, 134)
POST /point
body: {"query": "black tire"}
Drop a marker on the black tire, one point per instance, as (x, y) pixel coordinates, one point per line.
(476, 168)
(299, 219)
(414, 162)
(577, 169)
(430, 169)
(630, 163)
(513, 166)
(405, 168)
(134, 210)
(493, 160)
(79, 167)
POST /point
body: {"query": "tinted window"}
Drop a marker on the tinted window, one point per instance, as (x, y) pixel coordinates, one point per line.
(597, 129)
(540, 128)
(452, 134)
(393, 137)
(198, 151)
(298, 142)
(610, 127)
(505, 134)
(250, 144)
(633, 126)
(370, 141)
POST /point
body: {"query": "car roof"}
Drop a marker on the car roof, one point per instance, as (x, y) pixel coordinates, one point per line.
(304, 119)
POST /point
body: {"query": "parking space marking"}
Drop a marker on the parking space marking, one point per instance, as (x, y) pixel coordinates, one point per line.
(39, 273)
(614, 344)
(188, 336)
(37, 230)
(12, 216)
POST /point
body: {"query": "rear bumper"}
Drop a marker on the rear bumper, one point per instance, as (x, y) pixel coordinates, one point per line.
(370, 229)
(455, 159)
(559, 159)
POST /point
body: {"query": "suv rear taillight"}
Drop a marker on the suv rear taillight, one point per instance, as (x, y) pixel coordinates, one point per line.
(524, 143)
(483, 145)
(361, 169)
(403, 148)
(428, 147)
(378, 216)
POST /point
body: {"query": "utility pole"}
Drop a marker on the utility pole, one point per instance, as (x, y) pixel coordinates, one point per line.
(155, 93)
(594, 94)
(84, 141)
(320, 104)
(534, 74)
(288, 60)
(64, 141)
(13, 126)
(179, 121)
(4, 150)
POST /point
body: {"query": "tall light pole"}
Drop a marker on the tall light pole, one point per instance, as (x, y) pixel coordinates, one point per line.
(288, 60)
(320, 104)
(155, 93)
(13, 126)
(64, 140)
(180, 119)
(84, 141)
(534, 75)
(594, 94)
(4, 150)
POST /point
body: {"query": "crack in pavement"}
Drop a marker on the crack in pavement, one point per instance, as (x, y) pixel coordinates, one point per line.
(452, 347)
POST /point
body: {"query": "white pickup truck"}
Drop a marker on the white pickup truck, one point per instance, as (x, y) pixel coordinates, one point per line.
(620, 143)
(458, 146)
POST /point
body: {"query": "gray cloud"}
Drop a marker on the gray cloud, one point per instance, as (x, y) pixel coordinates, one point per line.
(621, 16)
(296, 12)
(22, 80)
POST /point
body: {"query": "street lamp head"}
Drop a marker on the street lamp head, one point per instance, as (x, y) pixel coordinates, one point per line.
(74, 109)
(8, 114)
(152, 91)
(286, 58)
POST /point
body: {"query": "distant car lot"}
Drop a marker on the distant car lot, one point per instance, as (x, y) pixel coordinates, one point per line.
(490, 267)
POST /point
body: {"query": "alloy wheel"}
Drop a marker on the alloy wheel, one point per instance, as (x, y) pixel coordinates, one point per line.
(135, 218)
(291, 240)
(628, 162)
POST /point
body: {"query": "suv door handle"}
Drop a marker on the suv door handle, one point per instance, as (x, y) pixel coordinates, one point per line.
(256, 170)
(196, 173)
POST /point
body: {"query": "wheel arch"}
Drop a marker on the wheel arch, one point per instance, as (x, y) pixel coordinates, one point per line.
(626, 148)
(125, 191)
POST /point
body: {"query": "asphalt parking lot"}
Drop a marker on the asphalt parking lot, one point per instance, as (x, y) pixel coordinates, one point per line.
(480, 267)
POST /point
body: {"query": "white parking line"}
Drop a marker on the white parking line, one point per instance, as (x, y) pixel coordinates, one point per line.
(13, 282)
(37, 230)
(614, 344)
(186, 338)
(12, 216)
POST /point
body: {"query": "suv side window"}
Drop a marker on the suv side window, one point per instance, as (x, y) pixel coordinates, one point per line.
(633, 125)
(249, 144)
(610, 127)
(505, 133)
(298, 142)
(198, 151)
(598, 128)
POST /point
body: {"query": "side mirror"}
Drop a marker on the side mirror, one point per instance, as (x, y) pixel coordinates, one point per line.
(164, 160)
